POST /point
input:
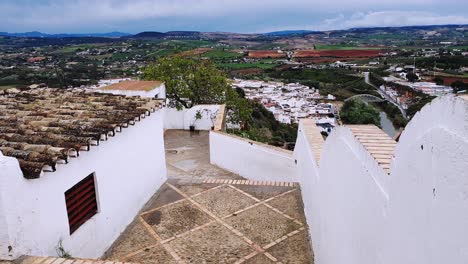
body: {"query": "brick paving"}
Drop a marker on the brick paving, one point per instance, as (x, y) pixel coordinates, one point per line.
(222, 224)
(204, 214)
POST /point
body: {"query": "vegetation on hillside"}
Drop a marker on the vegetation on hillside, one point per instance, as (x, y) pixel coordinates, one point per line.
(263, 127)
(358, 112)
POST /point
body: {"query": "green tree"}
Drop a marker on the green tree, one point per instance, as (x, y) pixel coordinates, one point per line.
(191, 81)
(358, 112)
(412, 77)
(438, 80)
(459, 86)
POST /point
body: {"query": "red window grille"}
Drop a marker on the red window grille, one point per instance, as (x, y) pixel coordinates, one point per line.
(81, 202)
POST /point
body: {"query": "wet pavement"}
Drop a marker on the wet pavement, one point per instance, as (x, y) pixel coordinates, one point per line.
(189, 221)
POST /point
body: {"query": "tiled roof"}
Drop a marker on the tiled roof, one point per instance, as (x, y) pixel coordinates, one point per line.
(43, 127)
(133, 86)
(376, 142)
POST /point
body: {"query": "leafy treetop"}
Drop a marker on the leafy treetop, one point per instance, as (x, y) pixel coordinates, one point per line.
(358, 112)
(191, 82)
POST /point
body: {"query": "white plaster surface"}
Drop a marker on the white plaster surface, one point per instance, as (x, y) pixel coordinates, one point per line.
(129, 168)
(183, 119)
(250, 159)
(417, 214)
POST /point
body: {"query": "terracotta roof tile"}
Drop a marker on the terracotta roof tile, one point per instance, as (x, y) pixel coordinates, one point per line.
(376, 142)
(133, 86)
(43, 127)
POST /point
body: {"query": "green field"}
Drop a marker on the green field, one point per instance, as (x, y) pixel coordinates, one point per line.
(74, 48)
(221, 54)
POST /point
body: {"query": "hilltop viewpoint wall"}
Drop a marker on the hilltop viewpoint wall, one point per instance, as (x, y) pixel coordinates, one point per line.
(418, 213)
(250, 159)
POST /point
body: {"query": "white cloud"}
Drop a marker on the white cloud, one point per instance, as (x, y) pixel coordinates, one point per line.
(63, 14)
(390, 18)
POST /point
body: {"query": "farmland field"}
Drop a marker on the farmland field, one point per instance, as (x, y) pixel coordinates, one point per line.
(221, 54)
(343, 47)
(263, 54)
(337, 53)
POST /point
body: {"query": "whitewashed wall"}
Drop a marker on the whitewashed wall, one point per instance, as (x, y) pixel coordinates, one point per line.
(417, 214)
(428, 210)
(250, 159)
(183, 119)
(129, 168)
(308, 177)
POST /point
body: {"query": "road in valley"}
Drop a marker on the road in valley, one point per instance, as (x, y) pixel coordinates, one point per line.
(385, 95)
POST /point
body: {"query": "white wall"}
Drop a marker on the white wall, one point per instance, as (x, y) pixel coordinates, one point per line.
(183, 119)
(428, 210)
(129, 167)
(250, 159)
(173, 118)
(307, 173)
(4, 233)
(417, 214)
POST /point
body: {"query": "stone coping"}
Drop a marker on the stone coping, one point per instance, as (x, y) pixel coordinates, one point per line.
(314, 137)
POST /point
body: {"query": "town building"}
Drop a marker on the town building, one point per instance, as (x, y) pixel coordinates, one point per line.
(75, 168)
(288, 102)
(148, 89)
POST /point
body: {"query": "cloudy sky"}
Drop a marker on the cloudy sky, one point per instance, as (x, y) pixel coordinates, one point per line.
(249, 16)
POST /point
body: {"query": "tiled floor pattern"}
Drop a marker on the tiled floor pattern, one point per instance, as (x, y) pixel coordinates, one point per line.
(218, 223)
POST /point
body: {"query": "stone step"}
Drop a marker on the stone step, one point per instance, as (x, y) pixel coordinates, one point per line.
(56, 260)
(249, 182)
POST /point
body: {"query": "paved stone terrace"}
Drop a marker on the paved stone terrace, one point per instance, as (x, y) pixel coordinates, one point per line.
(204, 214)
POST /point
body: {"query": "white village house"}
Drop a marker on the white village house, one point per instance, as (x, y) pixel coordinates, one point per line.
(76, 168)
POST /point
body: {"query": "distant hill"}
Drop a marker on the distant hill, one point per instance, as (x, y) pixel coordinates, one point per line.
(36, 34)
(406, 28)
(148, 34)
(289, 32)
(170, 34)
